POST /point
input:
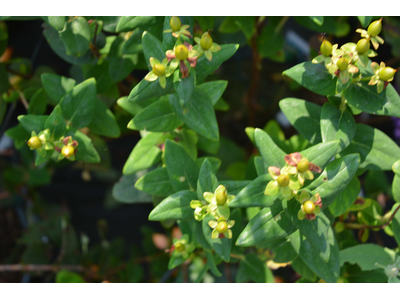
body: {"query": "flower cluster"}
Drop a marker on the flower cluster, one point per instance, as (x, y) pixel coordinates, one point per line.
(183, 54)
(346, 61)
(181, 247)
(291, 177)
(215, 204)
(67, 148)
(40, 142)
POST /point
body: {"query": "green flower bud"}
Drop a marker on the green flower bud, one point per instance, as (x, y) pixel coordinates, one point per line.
(159, 70)
(206, 42)
(283, 180)
(375, 28)
(68, 151)
(34, 142)
(221, 198)
(302, 166)
(222, 227)
(179, 247)
(386, 73)
(175, 23)
(181, 52)
(326, 48)
(343, 63)
(308, 207)
(362, 46)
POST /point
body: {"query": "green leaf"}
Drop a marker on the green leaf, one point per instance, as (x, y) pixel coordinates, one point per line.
(376, 149)
(284, 253)
(156, 183)
(396, 188)
(301, 268)
(346, 198)
(56, 86)
(56, 123)
(134, 44)
(104, 122)
(157, 117)
(386, 103)
(78, 105)
(222, 246)
(205, 67)
(259, 165)
(135, 108)
(184, 87)
(56, 22)
(318, 20)
(336, 176)
(234, 186)
(304, 116)
(86, 151)
(214, 89)
(269, 224)
(100, 73)
(175, 207)
(127, 23)
(152, 48)
(314, 77)
(367, 256)
(396, 224)
(109, 23)
(253, 194)
(316, 231)
(39, 159)
(365, 21)
(322, 153)
(125, 189)
(120, 65)
(19, 134)
(33, 123)
(337, 125)
(328, 271)
(331, 25)
(207, 181)
(207, 145)
(211, 264)
(199, 114)
(76, 36)
(148, 89)
(38, 102)
(144, 155)
(182, 170)
(246, 24)
(53, 38)
(270, 41)
(272, 155)
(65, 276)
(252, 268)
(168, 41)
(215, 162)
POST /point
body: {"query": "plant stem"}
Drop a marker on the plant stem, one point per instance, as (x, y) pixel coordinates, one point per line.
(363, 226)
(241, 257)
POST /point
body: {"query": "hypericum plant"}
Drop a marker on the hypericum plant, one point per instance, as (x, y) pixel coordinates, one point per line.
(301, 188)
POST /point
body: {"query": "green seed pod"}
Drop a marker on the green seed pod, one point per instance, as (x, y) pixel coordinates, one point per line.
(308, 207)
(68, 151)
(34, 142)
(343, 63)
(159, 70)
(362, 46)
(386, 73)
(375, 28)
(175, 23)
(221, 198)
(181, 52)
(206, 42)
(222, 227)
(302, 166)
(283, 180)
(326, 48)
(179, 247)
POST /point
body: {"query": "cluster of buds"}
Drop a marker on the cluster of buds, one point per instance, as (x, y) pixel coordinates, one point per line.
(310, 206)
(346, 60)
(183, 54)
(216, 204)
(181, 247)
(40, 142)
(291, 177)
(67, 148)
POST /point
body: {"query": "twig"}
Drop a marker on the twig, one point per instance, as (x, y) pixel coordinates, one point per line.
(23, 99)
(363, 226)
(228, 273)
(18, 73)
(237, 256)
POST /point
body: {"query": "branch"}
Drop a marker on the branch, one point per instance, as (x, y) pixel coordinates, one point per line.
(362, 226)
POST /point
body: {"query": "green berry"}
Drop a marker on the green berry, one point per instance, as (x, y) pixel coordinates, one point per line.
(34, 142)
(339, 227)
(206, 42)
(308, 207)
(386, 73)
(10, 96)
(362, 46)
(375, 28)
(343, 63)
(326, 48)
(181, 52)
(221, 198)
(68, 151)
(159, 70)
(175, 23)
(222, 227)
(179, 247)
(283, 180)
(302, 166)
